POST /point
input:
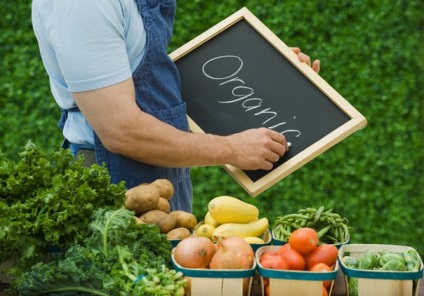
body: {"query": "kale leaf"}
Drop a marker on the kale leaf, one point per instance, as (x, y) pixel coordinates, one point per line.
(46, 200)
(120, 257)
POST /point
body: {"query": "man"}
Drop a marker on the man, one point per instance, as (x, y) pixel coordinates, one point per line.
(120, 94)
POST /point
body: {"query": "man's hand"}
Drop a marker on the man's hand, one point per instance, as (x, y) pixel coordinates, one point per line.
(306, 59)
(256, 148)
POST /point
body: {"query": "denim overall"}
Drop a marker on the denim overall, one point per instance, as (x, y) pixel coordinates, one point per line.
(157, 85)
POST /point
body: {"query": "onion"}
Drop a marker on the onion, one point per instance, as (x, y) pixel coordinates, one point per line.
(233, 253)
(194, 252)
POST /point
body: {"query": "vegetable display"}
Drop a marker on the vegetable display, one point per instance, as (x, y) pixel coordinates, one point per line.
(229, 216)
(302, 253)
(120, 257)
(46, 200)
(331, 227)
(408, 260)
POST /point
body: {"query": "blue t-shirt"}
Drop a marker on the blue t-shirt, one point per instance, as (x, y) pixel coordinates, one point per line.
(87, 45)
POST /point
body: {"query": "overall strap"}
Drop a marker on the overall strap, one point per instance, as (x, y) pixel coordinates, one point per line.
(62, 121)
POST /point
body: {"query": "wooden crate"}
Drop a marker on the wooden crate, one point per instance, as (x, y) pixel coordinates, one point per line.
(378, 282)
(293, 282)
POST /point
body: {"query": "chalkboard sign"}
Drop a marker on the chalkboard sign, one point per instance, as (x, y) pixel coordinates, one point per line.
(239, 75)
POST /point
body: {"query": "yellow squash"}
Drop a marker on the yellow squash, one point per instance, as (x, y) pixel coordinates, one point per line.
(254, 240)
(242, 230)
(209, 220)
(227, 209)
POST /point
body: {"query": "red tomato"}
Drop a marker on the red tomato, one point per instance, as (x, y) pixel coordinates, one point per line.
(283, 247)
(293, 257)
(322, 267)
(272, 260)
(304, 240)
(325, 253)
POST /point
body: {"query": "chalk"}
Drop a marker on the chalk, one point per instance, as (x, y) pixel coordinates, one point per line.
(289, 144)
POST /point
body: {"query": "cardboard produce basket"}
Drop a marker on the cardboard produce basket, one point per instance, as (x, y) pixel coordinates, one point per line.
(293, 282)
(379, 282)
(225, 282)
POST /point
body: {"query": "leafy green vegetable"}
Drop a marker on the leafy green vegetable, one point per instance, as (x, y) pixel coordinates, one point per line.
(395, 265)
(412, 260)
(351, 262)
(368, 261)
(384, 257)
(408, 260)
(353, 287)
(47, 199)
(120, 257)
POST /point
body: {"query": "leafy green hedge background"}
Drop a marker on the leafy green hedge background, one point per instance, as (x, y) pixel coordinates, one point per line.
(371, 52)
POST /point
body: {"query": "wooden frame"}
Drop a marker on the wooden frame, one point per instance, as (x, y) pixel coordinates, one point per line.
(357, 120)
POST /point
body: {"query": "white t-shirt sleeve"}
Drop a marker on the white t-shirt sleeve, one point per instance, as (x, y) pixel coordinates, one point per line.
(88, 37)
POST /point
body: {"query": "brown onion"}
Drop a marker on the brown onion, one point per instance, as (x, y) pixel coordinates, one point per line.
(194, 252)
(233, 253)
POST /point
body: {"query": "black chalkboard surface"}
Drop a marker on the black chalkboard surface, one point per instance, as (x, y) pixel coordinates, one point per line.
(238, 75)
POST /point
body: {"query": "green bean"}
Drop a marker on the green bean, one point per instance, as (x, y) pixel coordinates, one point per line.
(329, 211)
(289, 229)
(295, 216)
(333, 239)
(336, 232)
(280, 231)
(318, 213)
(331, 227)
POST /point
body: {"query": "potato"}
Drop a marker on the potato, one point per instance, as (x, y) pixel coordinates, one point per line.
(164, 221)
(184, 219)
(139, 221)
(142, 198)
(163, 205)
(178, 233)
(165, 188)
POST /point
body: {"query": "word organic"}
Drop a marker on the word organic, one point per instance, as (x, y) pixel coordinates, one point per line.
(243, 94)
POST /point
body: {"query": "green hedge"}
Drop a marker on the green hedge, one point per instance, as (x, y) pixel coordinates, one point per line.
(371, 53)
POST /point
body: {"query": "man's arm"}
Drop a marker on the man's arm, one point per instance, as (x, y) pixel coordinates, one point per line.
(125, 129)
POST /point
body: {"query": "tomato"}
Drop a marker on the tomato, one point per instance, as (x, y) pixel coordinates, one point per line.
(325, 253)
(293, 257)
(272, 260)
(283, 247)
(304, 240)
(322, 267)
